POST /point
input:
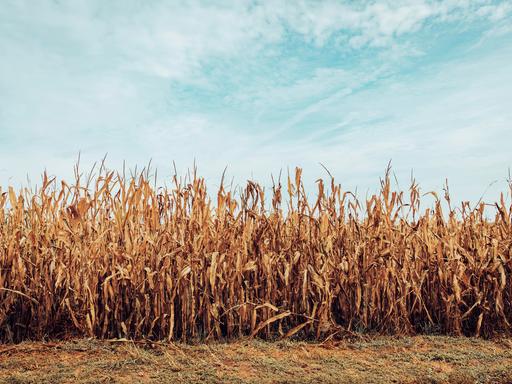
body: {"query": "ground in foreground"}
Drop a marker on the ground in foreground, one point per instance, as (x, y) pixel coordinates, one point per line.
(422, 359)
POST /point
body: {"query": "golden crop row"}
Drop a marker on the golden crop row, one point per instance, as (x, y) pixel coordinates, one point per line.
(117, 257)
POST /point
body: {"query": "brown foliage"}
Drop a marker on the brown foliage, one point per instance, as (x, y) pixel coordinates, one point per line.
(118, 257)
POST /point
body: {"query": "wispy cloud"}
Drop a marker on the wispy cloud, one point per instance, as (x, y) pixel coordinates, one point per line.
(259, 86)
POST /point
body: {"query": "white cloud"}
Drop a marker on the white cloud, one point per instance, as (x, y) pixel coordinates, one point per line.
(106, 77)
(377, 23)
(174, 40)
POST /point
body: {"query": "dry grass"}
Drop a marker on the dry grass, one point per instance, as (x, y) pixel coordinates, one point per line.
(419, 359)
(115, 257)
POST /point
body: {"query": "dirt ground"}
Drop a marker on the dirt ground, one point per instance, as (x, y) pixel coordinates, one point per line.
(422, 359)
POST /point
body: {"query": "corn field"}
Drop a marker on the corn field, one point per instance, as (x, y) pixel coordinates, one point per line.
(112, 256)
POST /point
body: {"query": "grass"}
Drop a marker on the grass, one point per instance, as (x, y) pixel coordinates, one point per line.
(421, 359)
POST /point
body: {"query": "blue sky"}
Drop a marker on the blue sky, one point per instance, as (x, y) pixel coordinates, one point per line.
(259, 87)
